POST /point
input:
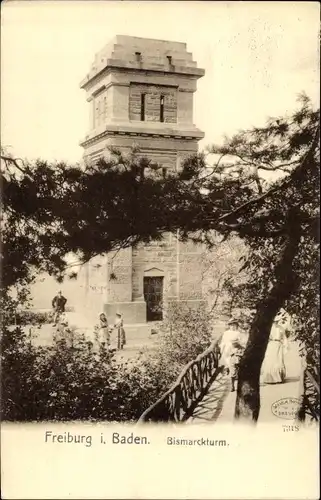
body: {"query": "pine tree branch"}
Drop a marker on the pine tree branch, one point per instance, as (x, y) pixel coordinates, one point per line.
(274, 189)
(14, 161)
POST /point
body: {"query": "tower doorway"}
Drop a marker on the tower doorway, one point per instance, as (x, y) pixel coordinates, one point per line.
(153, 294)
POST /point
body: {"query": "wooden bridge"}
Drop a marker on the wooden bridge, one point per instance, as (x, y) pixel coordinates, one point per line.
(202, 392)
(179, 403)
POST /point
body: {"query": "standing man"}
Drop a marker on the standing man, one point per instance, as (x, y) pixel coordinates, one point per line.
(58, 304)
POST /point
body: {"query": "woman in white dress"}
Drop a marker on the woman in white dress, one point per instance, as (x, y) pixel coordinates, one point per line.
(273, 368)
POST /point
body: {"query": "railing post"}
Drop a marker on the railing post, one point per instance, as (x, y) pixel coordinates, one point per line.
(178, 397)
(302, 397)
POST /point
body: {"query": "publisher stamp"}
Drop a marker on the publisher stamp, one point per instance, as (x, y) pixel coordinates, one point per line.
(286, 408)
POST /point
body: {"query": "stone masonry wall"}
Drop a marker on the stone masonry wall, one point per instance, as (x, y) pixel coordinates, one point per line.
(120, 276)
(190, 270)
(159, 258)
(88, 291)
(152, 102)
(101, 108)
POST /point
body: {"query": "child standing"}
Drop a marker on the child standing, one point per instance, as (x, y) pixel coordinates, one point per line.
(121, 336)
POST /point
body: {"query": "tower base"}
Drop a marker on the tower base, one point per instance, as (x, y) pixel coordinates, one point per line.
(132, 312)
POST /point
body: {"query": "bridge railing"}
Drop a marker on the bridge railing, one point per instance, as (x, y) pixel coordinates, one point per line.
(310, 396)
(179, 402)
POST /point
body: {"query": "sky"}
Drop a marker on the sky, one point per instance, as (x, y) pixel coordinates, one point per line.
(257, 57)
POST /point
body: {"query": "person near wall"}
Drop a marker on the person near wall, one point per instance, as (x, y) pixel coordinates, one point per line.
(102, 332)
(273, 368)
(121, 336)
(62, 330)
(232, 347)
(58, 305)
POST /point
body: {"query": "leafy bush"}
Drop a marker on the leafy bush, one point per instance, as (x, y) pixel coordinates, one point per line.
(184, 334)
(60, 382)
(28, 317)
(71, 380)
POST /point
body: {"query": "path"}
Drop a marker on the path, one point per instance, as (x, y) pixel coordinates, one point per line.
(219, 404)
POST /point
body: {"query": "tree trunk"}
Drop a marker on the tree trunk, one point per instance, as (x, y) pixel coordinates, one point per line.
(248, 391)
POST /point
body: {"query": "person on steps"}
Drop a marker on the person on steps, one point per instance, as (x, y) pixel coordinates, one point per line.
(102, 331)
(121, 336)
(58, 305)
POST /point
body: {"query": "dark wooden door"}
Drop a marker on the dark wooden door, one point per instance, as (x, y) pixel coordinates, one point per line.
(153, 294)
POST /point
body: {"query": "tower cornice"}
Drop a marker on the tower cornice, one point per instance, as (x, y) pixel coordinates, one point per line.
(195, 135)
(182, 71)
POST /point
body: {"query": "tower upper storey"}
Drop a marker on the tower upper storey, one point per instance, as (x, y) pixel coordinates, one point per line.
(142, 86)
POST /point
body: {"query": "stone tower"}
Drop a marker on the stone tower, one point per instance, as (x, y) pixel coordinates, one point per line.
(140, 91)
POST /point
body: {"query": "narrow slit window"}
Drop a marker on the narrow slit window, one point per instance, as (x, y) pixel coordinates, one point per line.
(169, 59)
(105, 108)
(97, 116)
(161, 111)
(142, 107)
(138, 56)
